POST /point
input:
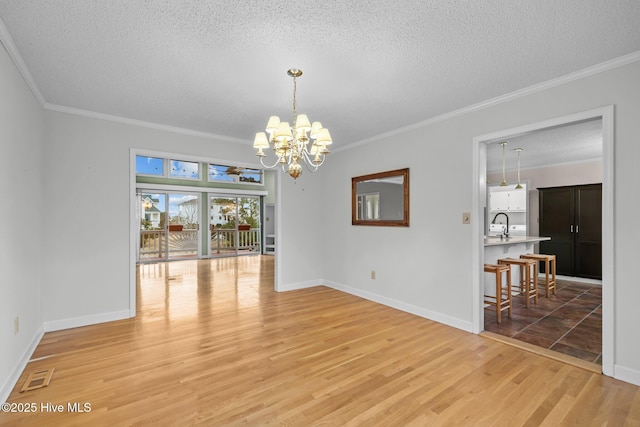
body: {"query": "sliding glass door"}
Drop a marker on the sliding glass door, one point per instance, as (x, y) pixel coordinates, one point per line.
(234, 225)
(169, 226)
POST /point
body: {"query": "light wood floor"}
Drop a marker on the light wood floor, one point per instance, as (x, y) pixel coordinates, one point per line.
(214, 345)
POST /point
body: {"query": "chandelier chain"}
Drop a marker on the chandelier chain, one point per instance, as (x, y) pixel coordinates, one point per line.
(294, 115)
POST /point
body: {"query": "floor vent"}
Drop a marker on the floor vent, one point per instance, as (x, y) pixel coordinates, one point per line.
(37, 379)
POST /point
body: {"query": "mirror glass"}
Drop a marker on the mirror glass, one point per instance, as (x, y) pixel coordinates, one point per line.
(381, 199)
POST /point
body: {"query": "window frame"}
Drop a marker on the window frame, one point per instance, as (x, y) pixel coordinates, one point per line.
(203, 168)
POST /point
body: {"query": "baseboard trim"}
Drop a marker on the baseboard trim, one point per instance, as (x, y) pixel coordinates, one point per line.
(577, 279)
(10, 383)
(300, 285)
(76, 322)
(402, 306)
(628, 375)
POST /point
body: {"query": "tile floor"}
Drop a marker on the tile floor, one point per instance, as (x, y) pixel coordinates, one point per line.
(569, 322)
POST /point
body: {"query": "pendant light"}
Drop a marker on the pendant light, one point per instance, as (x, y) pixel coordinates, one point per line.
(504, 179)
(518, 150)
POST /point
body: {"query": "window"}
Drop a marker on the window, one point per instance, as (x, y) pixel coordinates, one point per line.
(153, 166)
(223, 173)
(251, 175)
(185, 170)
(194, 170)
(220, 173)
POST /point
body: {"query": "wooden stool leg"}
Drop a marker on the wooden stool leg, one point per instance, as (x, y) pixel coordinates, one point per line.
(527, 291)
(499, 296)
(546, 277)
(553, 276)
(535, 282)
(509, 292)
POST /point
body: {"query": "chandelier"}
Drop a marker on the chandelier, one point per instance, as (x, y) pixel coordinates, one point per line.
(291, 142)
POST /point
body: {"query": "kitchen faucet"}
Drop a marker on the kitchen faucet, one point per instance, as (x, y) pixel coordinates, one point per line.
(506, 231)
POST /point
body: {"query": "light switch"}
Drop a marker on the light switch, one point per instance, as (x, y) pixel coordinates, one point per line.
(466, 217)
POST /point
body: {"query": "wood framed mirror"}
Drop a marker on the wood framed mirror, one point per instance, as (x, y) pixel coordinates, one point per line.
(381, 199)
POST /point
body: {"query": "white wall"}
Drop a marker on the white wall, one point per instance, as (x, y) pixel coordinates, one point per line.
(270, 185)
(299, 217)
(427, 268)
(22, 218)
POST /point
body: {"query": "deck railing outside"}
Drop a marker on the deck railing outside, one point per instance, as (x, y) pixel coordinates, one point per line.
(224, 240)
(153, 243)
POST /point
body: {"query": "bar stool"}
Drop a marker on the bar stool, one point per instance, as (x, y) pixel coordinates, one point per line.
(549, 265)
(502, 300)
(528, 277)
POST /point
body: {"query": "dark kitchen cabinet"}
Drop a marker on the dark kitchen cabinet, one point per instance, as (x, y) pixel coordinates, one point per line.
(572, 217)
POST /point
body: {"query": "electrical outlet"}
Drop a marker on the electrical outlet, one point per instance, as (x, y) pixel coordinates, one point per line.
(373, 274)
(466, 217)
(16, 325)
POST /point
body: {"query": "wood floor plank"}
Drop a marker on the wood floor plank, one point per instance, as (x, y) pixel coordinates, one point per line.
(213, 344)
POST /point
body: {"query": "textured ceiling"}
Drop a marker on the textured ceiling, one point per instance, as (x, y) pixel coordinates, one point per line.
(370, 66)
(577, 142)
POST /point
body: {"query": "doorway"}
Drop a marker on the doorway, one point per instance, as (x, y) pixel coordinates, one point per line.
(479, 203)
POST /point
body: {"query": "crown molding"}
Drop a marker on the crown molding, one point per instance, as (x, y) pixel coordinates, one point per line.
(141, 123)
(7, 41)
(586, 72)
(12, 50)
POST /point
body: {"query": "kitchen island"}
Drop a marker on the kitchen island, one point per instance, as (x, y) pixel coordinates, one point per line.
(496, 248)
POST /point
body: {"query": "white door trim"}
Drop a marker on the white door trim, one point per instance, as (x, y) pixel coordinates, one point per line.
(479, 204)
